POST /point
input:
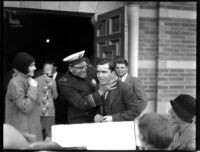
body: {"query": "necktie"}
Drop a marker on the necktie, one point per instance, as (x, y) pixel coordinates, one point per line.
(105, 104)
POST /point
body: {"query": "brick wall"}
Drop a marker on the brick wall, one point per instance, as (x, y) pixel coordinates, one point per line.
(148, 50)
(176, 53)
(167, 51)
(179, 5)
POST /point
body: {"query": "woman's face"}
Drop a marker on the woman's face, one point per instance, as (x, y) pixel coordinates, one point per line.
(175, 120)
(31, 69)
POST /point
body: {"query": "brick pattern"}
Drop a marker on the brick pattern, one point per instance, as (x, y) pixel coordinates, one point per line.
(172, 82)
(148, 50)
(162, 40)
(149, 80)
(148, 41)
(179, 5)
(177, 39)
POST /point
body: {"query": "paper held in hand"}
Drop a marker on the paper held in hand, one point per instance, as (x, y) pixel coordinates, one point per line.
(96, 136)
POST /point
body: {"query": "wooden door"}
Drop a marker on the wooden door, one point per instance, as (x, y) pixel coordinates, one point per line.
(111, 37)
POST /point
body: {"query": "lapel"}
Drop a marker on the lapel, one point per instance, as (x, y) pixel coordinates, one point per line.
(183, 139)
(128, 79)
(178, 144)
(112, 95)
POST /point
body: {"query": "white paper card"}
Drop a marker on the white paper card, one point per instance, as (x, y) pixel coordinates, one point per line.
(96, 136)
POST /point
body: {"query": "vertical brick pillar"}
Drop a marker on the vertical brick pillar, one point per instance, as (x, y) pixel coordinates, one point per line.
(176, 52)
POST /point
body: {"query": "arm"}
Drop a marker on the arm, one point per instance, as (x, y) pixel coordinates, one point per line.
(132, 108)
(54, 89)
(140, 94)
(73, 97)
(24, 99)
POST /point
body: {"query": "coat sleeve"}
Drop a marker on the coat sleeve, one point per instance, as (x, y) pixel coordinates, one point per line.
(25, 100)
(140, 94)
(54, 89)
(74, 98)
(132, 108)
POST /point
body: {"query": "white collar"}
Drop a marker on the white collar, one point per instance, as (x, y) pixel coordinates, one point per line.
(54, 75)
(124, 77)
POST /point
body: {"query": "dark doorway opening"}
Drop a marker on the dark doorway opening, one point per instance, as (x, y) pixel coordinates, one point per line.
(47, 35)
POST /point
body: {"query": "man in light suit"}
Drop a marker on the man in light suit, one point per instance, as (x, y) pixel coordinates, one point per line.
(119, 104)
(121, 69)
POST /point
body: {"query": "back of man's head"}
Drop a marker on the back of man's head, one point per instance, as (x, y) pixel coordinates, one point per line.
(155, 130)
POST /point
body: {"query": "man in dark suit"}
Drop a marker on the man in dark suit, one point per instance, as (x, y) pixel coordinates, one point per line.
(78, 88)
(121, 69)
(120, 104)
(60, 104)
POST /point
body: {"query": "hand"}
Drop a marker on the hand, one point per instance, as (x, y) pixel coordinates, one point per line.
(94, 83)
(115, 77)
(32, 82)
(30, 137)
(107, 119)
(106, 87)
(50, 84)
(46, 145)
(98, 118)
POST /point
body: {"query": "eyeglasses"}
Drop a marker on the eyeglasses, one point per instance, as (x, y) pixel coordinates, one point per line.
(81, 68)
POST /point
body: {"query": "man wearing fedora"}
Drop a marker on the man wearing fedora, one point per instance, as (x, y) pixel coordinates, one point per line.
(182, 113)
(79, 90)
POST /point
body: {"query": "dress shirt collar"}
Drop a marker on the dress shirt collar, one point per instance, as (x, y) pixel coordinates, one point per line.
(124, 77)
(54, 75)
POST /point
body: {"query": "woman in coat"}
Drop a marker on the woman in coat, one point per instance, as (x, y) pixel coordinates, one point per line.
(22, 105)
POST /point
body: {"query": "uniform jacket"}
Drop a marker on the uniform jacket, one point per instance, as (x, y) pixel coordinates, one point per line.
(22, 105)
(81, 96)
(43, 82)
(186, 139)
(139, 91)
(122, 103)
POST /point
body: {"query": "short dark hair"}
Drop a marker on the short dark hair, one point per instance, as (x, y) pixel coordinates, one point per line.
(108, 61)
(155, 130)
(50, 62)
(121, 61)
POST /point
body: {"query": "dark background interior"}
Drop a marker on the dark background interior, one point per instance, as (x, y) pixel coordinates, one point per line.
(69, 32)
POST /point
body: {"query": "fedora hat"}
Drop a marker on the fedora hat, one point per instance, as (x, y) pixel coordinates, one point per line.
(185, 107)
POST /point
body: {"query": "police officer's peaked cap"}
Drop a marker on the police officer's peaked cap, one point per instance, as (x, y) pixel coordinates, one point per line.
(75, 58)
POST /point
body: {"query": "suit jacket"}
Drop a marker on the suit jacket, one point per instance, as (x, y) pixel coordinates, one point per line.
(122, 103)
(186, 139)
(81, 96)
(138, 90)
(22, 106)
(60, 104)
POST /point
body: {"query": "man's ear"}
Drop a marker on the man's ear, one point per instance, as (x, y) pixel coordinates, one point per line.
(70, 69)
(113, 73)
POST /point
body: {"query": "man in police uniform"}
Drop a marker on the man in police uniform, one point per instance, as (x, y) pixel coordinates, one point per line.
(79, 89)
